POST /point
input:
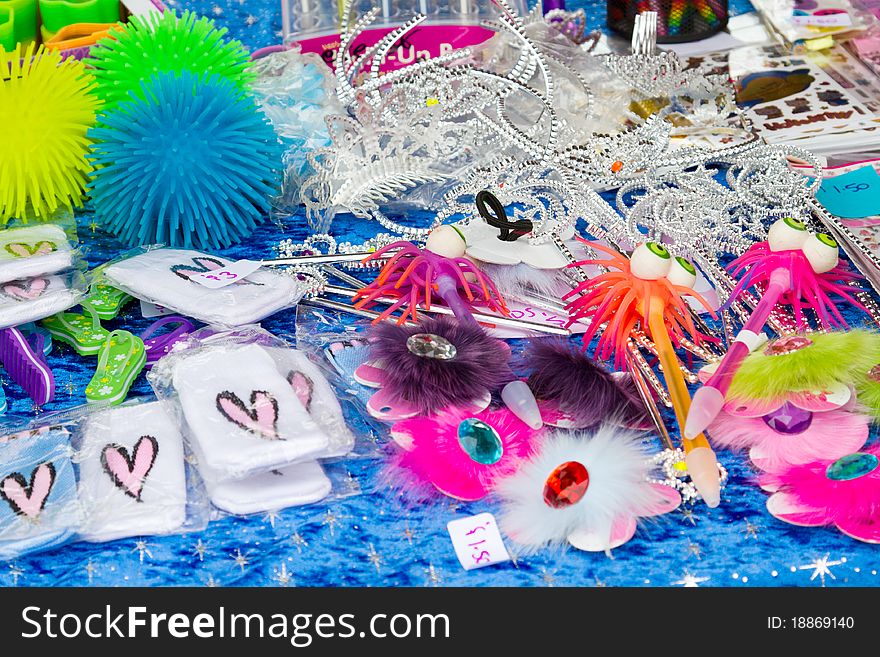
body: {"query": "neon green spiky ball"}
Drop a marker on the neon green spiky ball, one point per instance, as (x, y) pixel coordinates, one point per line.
(46, 108)
(164, 43)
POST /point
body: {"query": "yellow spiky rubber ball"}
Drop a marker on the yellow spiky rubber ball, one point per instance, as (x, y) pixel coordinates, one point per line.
(46, 108)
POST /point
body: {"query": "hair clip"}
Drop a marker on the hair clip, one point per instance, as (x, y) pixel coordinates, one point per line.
(842, 493)
(792, 400)
(791, 435)
(672, 464)
(573, 392)
(436, 364)
(794, 268)
(585, 490)
(458, 452)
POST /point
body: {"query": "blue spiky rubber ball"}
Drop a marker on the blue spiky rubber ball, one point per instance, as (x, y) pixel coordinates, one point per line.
(188, 161)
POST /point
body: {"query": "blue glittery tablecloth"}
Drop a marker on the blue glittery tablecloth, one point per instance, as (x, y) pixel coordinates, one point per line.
(372, 539)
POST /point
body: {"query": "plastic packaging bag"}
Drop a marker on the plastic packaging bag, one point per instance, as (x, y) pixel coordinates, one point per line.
(162, 276)
(35, 250)
(134, 479)
(29, 299)
(342, 345)
(244, 399)
(39, 508)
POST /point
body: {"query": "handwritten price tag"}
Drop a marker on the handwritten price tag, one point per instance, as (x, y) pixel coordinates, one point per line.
(837, 19)
(853, 195)
(477, 541)
(231, 273)
(150, 310)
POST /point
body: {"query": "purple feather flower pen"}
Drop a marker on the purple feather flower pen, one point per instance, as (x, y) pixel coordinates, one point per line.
(576, 392)
(429, 384)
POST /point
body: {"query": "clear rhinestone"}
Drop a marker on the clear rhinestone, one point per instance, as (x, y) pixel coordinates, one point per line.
(428, 345)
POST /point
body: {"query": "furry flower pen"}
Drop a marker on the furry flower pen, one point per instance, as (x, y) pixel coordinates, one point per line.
(648, 290)
(842, 493)
(586, 490)
(190, 163)
(46, 109)
(576, 393)
(795, 268)
(413, 275)
(434, 365)
(458, 453)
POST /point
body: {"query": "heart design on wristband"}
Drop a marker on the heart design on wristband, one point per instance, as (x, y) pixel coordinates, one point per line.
(22, 250)
(203, 265)
(260, 416)
(28, 499)
(130, 471)
(304, 388)
(26, 290)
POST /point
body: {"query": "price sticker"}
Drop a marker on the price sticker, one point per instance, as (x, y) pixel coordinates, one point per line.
(231, 273)
(853, 195)
(477, 541)
(836, 19)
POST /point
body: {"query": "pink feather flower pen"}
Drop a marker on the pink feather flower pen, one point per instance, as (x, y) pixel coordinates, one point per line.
(458, 453)
(843, 493)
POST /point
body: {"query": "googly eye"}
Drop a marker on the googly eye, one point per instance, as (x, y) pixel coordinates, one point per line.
(822, 252)
(650, 261)
(446, 241)
(787, 234)
(682, 272)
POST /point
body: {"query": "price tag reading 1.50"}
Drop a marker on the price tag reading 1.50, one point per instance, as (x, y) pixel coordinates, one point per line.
(231, 273)
(853, 195)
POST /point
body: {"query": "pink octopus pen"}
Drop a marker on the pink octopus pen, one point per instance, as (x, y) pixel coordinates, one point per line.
(708, 400)
(796, 268)
(414, 275)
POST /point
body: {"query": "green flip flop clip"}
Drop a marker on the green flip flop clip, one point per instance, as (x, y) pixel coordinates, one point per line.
(122, 358)
(107, 301)
(82, 332)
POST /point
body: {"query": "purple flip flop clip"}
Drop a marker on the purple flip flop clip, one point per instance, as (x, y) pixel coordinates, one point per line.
(26, 364)
(160, 345)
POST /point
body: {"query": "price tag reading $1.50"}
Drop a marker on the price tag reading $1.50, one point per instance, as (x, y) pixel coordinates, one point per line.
(231, 273)
(477, 541)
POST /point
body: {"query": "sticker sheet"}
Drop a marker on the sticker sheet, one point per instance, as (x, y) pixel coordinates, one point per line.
(790, 97)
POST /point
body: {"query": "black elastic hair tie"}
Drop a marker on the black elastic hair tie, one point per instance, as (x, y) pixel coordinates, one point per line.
(497, 218)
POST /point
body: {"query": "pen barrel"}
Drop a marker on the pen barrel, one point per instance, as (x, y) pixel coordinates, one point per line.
(447, 288)
(746, 340)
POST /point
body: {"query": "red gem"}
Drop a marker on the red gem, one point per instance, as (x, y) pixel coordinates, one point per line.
(566, 485)
(616, 166)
